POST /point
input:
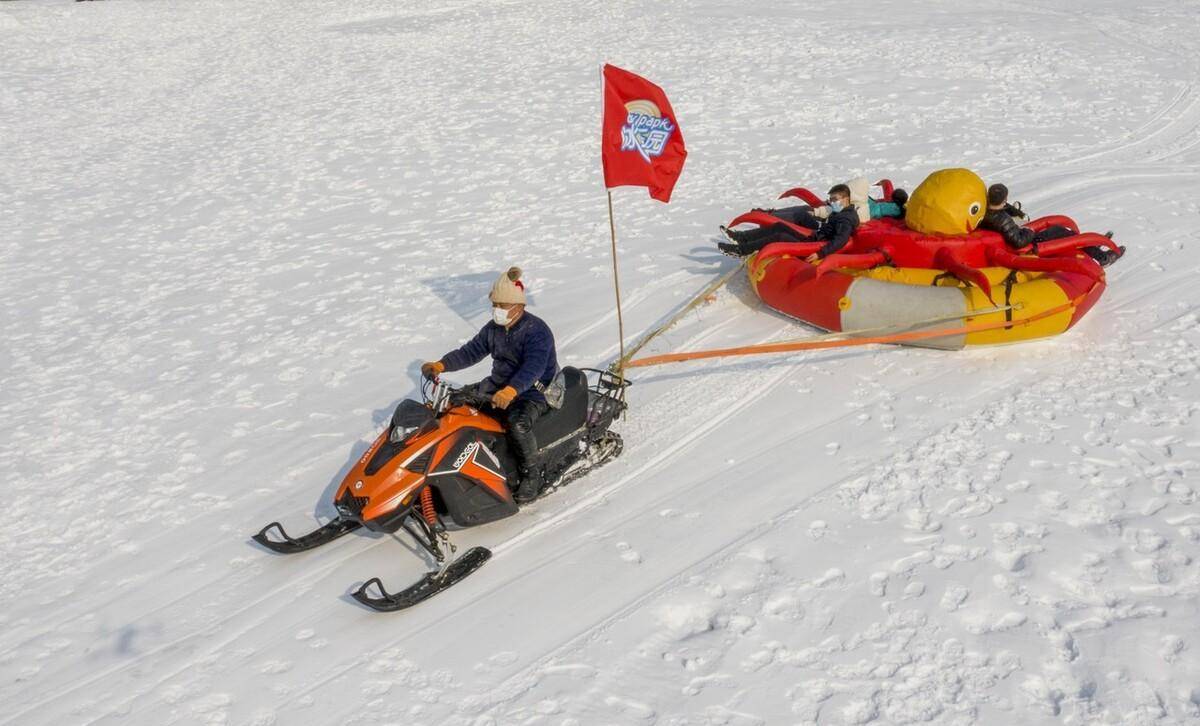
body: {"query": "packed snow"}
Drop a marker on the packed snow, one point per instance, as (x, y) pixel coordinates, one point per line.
(231, 232)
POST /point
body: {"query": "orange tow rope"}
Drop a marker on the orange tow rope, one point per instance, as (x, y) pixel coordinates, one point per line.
(850, 342)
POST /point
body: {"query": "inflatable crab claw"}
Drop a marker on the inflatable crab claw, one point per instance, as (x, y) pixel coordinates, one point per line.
(1078, 265)
(1053, 220)
(789, 249)
(765, 219)
(948, 261)
(887, 187)
(804, 195)
(863, 261)
(762, 219)
(1071, 245)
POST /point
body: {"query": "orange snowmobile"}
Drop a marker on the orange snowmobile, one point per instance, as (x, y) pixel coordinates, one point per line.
(447, 457)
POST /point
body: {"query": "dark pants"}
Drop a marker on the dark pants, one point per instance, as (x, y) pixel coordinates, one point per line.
(753, 240)
(518, 419)
(802, 216)
(1054, 231)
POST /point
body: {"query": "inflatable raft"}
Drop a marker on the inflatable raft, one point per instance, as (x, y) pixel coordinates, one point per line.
(910, 297)
(903, 295)
(933, 270)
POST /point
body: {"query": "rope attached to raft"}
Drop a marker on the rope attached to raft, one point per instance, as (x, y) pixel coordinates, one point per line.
(838, 340)
(843, 339)
(690, 306)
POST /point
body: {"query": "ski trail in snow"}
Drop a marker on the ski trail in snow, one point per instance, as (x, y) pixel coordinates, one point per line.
(639, 296)
(519, 682)
(1171, 132)
(757, 530)
(316, 571)
(631, 302)
(771, 443)
(675, 449)
(209, 238)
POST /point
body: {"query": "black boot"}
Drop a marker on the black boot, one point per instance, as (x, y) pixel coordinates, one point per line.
(1103, 256)
(530, 487)
(735, 236)
(1111, 256)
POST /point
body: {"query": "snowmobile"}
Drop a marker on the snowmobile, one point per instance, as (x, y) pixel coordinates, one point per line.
(446, 457)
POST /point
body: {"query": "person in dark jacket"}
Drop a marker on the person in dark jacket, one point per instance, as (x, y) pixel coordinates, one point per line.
(860, 196)
(835, 230)
(1009, 220)
(1003, 217)
(524, 362)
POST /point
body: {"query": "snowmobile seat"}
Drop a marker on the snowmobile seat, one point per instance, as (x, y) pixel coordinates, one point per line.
(570, 417)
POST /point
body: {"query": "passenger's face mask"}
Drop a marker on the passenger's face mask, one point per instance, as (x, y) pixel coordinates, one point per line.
(500, 315)
(836, 205)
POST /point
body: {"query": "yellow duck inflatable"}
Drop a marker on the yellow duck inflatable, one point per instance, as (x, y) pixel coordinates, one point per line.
(949, 202)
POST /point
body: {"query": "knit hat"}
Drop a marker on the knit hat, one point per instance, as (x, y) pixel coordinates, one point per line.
(509, 288)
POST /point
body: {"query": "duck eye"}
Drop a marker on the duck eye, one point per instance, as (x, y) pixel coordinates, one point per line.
(974, 209)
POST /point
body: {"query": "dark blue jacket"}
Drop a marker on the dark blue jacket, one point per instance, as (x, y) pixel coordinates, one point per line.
(836, 230)
(521, 355)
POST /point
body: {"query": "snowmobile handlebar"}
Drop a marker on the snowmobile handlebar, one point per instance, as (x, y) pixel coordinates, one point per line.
(468, 396)
(439, 394)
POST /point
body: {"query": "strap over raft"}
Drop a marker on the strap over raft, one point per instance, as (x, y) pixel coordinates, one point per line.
(826, 342)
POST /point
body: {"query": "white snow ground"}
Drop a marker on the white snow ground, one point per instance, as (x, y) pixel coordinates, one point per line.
(231, 230)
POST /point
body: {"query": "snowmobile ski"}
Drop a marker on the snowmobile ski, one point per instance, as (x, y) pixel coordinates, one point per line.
(330, 531)
(428, 586)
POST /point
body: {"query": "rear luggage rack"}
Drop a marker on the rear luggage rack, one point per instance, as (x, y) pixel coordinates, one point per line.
(606, 398)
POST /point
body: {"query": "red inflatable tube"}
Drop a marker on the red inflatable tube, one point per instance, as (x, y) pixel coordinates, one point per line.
(766, 219)
(1086, 267)
(792, 287)
(1041, 223)
(1069, 245)
(808, 197)
(863, 261)
(791, 249)
(887, 187)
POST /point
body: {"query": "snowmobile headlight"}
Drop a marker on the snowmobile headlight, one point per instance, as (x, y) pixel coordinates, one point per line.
(400, 433)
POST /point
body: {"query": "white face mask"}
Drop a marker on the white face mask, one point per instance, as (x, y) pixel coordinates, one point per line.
(500, 316)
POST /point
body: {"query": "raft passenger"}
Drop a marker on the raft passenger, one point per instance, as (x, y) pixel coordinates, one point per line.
(835, 229)
(1003, 217)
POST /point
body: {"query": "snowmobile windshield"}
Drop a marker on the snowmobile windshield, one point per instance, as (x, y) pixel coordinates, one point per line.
(409, 416)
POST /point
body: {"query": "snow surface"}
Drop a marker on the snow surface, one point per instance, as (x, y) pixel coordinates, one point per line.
(231, 231)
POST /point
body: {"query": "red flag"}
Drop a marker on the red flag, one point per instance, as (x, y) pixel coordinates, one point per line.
(641, 143)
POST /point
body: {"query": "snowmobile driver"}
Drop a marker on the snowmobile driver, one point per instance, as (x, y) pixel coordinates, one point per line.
(524, 362)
